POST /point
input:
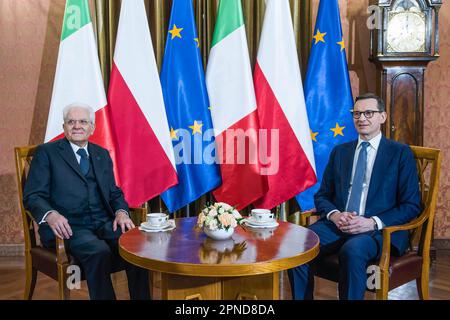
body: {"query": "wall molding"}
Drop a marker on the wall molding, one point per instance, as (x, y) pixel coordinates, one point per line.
(11, 250)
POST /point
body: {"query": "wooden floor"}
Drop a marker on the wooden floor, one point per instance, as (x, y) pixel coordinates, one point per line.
(12, 279)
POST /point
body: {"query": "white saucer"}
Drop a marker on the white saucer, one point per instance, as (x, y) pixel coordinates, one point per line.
(260, 223)
(270, 224)
(169, 228)
(170, 225)
(147, 225)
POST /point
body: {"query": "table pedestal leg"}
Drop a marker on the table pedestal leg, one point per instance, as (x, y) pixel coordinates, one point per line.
(259, 287)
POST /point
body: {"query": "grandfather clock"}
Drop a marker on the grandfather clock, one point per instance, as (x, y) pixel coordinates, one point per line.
(406, 40)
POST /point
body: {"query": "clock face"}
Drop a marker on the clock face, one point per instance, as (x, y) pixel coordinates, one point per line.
(406, 32)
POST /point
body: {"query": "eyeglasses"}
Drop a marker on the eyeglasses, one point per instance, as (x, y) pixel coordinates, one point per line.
(81, 122)
(367, 114)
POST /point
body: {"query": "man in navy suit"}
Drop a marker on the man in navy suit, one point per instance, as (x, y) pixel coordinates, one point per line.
(72, 194)
(368, 184)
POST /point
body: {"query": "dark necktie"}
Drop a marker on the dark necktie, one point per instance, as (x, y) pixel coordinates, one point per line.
(358, 180)
(84, 161)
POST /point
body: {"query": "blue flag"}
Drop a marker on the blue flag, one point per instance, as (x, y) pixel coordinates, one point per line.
(187, 107)
(328, 93)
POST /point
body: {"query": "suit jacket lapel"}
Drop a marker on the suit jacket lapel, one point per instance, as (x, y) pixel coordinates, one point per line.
(348, 167)
(67, 154)
(381, 161)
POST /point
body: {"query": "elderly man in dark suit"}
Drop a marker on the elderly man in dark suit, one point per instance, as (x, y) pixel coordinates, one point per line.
(368, 184)
(72, 194)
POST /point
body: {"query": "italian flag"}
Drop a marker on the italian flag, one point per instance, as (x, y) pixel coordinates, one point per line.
(233, 109)
(78, 77)
(281, 106)
(145, 156)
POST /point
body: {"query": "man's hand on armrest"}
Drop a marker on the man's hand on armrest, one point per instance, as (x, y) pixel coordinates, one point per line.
(59, 224)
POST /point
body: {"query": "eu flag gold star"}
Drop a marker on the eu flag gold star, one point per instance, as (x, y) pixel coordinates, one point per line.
(314, 135)
(175, 32)
(196, 127)
(197, 41)
(337, 130)
(342, 44)
(319, 36)
(173, 134)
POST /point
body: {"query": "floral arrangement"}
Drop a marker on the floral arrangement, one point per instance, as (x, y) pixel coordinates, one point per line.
(219, 215)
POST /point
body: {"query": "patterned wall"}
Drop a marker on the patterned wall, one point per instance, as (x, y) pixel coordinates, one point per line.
(29, 37)
(437, 116)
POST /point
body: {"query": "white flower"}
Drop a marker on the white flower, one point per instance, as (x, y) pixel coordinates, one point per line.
(208, 220)
(219, 215)
(224, 205)
(213, 225)
(226, 219)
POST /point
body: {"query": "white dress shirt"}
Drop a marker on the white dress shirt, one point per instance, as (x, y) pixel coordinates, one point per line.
(372, 150)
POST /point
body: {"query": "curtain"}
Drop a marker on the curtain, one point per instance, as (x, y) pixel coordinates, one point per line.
(106, 18)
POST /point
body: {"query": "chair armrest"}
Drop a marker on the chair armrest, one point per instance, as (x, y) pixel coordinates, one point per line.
(309, 213)
(409, 226)
(302, 218)
(28, 213)
(305, 217)
(387, 231)
(138, 215)
(61, 255)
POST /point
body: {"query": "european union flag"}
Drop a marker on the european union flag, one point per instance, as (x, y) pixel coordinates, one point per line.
(328, 93)
(187, 107)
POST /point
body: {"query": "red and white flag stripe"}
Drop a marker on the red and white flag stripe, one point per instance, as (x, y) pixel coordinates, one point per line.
(281, 106)
(145, 157)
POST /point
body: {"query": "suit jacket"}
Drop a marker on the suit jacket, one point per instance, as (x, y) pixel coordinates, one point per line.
(393, 194)
(55, 181)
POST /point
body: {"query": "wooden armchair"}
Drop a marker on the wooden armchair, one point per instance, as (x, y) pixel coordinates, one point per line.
(52, 262)
(415, 263)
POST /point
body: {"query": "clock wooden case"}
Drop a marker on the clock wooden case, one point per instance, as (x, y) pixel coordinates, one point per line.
(407, 40)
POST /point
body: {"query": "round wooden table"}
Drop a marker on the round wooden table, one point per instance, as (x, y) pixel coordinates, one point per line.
(193, 266)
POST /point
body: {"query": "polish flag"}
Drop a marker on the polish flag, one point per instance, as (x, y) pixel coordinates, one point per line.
(281, 106)
(145, 157)
(78, 78)
(233, 109)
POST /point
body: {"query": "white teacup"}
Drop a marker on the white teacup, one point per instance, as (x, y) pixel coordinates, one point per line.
(157, 219)
(262, 215)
